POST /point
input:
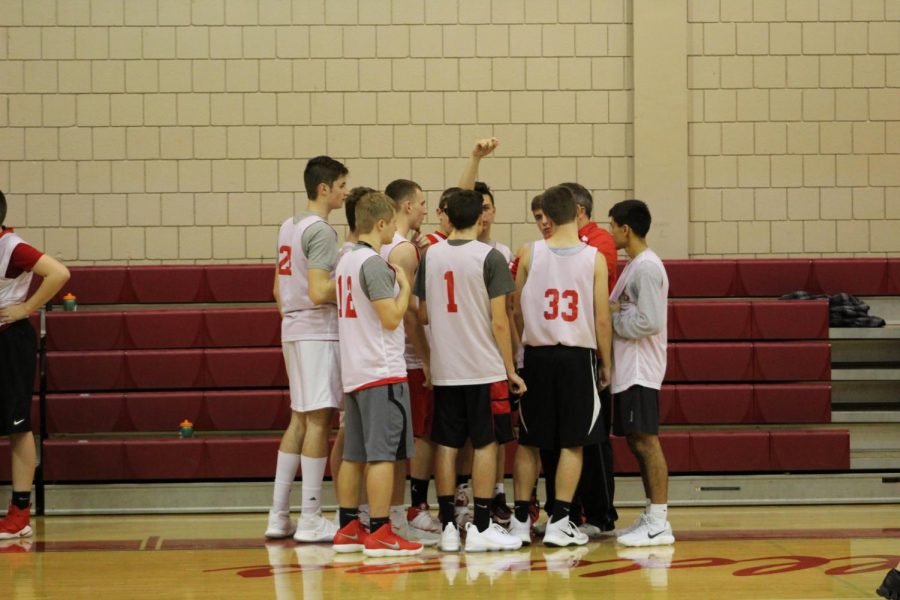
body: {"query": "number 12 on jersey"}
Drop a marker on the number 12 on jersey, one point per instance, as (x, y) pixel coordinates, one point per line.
(345, 304)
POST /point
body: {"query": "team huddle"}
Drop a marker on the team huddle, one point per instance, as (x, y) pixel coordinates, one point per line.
(430, 344)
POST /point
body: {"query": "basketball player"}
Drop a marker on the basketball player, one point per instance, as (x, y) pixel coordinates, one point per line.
(416, 523)
(18, 349)
(564, 305)
(462, 286)
(639, 304)
(373, 297)
(444, 225)
(305, 293)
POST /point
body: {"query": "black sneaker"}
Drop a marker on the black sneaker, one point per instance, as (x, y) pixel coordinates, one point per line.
(890, 587)
(500, 512)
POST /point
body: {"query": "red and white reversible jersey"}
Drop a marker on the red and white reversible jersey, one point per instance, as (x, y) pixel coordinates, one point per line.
(13, 290)
(412, 359)
(558, 297)
(303, 320)
(459, 312)
(434, 238)
(370, 354)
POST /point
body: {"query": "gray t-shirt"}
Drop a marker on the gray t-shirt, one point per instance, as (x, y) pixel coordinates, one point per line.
(376, 277)
(497, 278)
(319, 243)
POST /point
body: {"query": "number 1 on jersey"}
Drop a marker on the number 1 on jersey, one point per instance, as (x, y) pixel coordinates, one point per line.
(451, 293)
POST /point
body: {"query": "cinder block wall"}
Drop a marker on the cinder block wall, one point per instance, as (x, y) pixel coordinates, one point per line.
(177, 130)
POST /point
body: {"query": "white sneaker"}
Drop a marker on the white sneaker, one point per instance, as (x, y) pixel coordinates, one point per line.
(520, 530)
(637, 523)
(654, 561)
(423, 520)
(648, 534)
(492, 538)
(449, 538)
(407, 532)
(315, 528)
(564, 533)
(561, 561)
(592, 531)
(280, 524)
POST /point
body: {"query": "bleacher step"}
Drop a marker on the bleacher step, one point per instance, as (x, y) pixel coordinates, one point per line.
(866, 374)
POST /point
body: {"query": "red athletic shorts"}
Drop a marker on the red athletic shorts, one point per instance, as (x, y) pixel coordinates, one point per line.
(421, 401)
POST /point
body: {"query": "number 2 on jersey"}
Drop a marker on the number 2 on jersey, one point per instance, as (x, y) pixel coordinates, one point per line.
(451, 293)
(569, 296)
(284, 260)
(345, 306)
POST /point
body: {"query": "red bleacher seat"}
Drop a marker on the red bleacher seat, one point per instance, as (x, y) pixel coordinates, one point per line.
(712, 361)
(722, 451)
(241, 457)
(706, 404)
(246, 367)
(165, 284)
(240, 283)
(242, 327)
(623, 460)
(677, 449)
(164, 411)
(86, 413)
(164, 458)
(88, 371)
(149, 329)
(790, 320)
(859, 276)
(893, 277)
(773, 277)
(5, 462)
(247, 410)
(96, 285)
(793, 403)
(710, 320)
(84, 460)
(166, 369)
(85, 330)
(810, 450)
(669, 411)
(792, 361)
(701, 278)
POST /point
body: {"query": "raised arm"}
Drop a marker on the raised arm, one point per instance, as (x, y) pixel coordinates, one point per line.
(482, 148)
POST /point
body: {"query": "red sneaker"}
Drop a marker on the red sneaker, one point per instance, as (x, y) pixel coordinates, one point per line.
(16, 523)
(350, 538)
(385, 542)
(419, 517)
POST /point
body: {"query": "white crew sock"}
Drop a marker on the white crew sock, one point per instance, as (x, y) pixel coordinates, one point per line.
(658, 514)
(499, 489)
(313, 471)
(285, 473)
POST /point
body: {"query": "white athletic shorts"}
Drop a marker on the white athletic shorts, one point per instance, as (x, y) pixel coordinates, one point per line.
(314, 373)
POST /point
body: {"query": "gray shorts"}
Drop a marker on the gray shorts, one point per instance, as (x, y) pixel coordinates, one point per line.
(378, 424)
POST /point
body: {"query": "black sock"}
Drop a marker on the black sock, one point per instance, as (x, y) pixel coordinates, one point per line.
(21, 500)
(346, 515)
(445, 506)
(500, 498)
(560, 510)
(378, 522)
(482, 513)
(418, 491)
(462, 479)
(522, 509)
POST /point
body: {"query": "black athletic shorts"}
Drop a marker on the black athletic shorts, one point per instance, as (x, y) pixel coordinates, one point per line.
(501, 408)
(636, 410)
(18, 359)
(462, 412)
(561, 408)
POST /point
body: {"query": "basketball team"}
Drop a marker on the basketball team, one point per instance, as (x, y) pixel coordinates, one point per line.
(431, 345)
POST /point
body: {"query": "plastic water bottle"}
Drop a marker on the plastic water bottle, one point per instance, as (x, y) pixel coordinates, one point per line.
(187, 429)
(70, 303)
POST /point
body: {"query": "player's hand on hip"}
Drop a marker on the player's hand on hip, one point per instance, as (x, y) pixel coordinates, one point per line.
(516, 384)
(13, 313)
(484, 147)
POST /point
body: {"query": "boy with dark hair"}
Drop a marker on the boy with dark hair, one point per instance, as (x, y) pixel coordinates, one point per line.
(639, 304)
(563, 298)
(305, 293)
(18, 348)
(373, 297)
(444, 225)
(462, 286)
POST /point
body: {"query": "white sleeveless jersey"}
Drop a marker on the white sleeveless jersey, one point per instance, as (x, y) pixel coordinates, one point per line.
(370, 354)
(459, 312)
(558, 298)
(412, 359)
(12, 291)
(303, 320)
